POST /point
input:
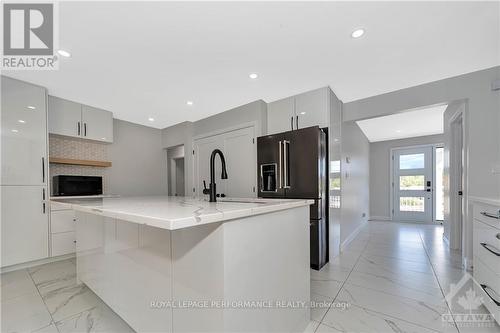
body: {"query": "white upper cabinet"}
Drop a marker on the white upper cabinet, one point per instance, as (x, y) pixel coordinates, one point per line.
(65, 117)
(24, 133)
(311, 108)
(280, 115)
(76, 120)
(97, 124)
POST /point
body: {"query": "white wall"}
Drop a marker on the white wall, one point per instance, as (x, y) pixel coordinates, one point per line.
(380, 178)
(254, 112)
(482, 128)
(483, 106)
(355, 181)
(139, 163)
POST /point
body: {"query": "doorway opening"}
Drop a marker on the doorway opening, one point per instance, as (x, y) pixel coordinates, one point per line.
(176, 171)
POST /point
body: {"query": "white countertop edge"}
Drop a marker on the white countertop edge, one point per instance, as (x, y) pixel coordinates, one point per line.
(488, 201)
(84, 196)
(187, 222)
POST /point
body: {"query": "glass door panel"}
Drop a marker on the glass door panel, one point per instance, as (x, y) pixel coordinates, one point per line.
(412, 184)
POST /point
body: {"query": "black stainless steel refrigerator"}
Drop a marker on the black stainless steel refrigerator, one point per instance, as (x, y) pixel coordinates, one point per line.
(292, 165)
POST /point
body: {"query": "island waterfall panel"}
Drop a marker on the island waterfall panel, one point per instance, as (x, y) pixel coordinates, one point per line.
(176, 280)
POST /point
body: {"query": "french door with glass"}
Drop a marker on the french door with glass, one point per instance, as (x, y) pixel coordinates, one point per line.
(412, 184)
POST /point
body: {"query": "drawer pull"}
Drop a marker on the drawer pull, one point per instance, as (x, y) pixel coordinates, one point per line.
(493, 216)
(487, 293)
(491, 248)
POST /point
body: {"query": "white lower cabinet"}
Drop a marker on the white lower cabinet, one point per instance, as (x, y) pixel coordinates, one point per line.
(487, 256)
(62, 221)
(25, 224)
(63, 243)
(62, 228)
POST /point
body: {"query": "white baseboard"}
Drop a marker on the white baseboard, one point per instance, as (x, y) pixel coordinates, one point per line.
(380, 218)
(468, 264)
(35, 263)
(351, 237)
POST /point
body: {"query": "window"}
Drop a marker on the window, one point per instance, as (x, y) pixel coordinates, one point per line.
(416, 183)
(334, 166)
(412, 161)
(412, 204)
(334, 201)
(335, 183)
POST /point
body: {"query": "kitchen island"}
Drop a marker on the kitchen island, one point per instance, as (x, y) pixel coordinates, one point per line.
(176, 264)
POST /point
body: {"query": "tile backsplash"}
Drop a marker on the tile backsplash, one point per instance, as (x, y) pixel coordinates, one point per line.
(65, 147)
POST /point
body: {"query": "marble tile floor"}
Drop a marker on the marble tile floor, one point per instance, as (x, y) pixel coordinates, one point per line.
(395, 277)
(392, 278)
(47, 299)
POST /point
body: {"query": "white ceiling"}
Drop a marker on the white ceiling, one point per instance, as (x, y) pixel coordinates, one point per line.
(408, 124)
(147, 59)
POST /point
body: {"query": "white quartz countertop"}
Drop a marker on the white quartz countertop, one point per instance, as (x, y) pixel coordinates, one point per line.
(174, 213)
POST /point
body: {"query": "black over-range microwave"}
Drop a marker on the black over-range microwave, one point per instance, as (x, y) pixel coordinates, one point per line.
(76, 185)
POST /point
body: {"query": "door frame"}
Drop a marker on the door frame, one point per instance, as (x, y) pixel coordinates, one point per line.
(391, 179)
(252, 124)
(460, 228)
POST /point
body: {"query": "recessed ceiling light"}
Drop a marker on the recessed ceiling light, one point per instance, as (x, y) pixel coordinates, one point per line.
(31, 107)
(151, 119)
(302, 112)
(14, 131)
(189, 102)
(64, 53)
(103, 138)
(253, 76)
(358, 33)
(398, 131)
(21, 121)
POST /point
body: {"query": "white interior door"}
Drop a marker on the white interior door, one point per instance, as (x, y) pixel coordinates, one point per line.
(240, 153)
(412, 184)
(241, 163)
(202, 150)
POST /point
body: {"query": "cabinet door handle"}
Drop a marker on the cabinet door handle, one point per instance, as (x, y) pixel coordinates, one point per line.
(297, 122)
(491, 215)
(487, 293)
(43, 169)
(84, 129)
(285, 160)
(78, 128)
(43, 200)
(491, 248)
(281, 166)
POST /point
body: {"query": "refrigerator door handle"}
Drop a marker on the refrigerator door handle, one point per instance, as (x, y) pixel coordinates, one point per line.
(280, 165)
(285, 161)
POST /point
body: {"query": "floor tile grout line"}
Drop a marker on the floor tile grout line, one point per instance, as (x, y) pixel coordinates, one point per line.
(439, 282)
(392, 316)
(342, 286)
(52, 321)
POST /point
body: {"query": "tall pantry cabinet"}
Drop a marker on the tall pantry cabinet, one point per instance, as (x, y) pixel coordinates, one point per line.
(24, 174)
